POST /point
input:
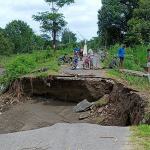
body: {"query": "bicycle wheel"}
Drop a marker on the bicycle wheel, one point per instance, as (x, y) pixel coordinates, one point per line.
(73, 65)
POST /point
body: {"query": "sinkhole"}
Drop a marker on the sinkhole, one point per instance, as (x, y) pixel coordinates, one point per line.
(122, 106)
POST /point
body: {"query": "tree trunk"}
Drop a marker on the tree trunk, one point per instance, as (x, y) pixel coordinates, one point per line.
(105, 38)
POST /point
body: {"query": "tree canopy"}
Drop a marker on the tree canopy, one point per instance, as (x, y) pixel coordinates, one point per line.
(112, 20)
(68, 36)
(139, 25)
(20, 34)
(52, 23)
(6, 46)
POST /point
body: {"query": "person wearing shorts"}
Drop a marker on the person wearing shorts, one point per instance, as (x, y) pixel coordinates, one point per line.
(91, 53)
(148, 61)
(121, 53)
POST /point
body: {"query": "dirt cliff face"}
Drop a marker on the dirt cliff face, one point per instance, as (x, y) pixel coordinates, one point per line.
(123, 106)
(73, 89)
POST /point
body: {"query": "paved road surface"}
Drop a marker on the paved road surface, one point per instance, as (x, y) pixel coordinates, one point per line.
(80, 70)
(63, 136)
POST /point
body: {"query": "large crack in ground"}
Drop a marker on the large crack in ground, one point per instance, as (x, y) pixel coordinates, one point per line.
(123, 106)
(114, 104)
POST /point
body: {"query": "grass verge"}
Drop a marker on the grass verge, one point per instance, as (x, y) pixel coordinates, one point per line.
(140, 137)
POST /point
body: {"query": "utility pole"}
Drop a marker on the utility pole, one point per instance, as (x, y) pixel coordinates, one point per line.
(69, 34)
(54, 10)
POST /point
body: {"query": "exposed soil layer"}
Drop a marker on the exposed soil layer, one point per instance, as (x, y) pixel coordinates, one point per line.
(63, 88)
(125, 107)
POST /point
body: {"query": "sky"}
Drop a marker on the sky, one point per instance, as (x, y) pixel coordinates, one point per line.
(81, 15)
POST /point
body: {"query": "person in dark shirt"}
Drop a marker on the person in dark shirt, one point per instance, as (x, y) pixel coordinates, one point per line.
(113, 62)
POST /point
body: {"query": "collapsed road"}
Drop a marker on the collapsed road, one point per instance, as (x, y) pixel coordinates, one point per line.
(51, 100)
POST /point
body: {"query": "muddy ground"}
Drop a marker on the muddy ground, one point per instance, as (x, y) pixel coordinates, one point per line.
(37, 113)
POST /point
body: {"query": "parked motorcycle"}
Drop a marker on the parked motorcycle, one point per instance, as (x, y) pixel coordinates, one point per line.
(64, 59)
(74, 63)
(86, 63)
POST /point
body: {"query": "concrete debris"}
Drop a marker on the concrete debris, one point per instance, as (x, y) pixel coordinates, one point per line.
(82, 106)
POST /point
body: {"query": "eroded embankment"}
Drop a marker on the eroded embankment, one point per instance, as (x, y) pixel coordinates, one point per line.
(115, 104)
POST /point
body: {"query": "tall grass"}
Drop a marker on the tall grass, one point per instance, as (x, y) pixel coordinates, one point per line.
(141, 137)
(5, 59)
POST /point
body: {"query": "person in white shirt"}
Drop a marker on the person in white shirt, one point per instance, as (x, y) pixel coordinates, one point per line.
(91, 54)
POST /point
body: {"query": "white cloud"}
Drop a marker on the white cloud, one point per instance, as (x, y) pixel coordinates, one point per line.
(81, 16)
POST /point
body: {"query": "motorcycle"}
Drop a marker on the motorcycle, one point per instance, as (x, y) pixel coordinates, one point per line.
(64, 59)
(86, 64)
(74, 63)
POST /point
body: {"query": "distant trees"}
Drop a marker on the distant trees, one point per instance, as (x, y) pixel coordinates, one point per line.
(113, 20)
(6, 46)
(68, 37)
(139, 25)
(21, 35)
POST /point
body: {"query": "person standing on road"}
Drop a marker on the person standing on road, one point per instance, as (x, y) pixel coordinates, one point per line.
(91, 54)
(76, 51)
(121, 53)
(148, 61)
(81, 53)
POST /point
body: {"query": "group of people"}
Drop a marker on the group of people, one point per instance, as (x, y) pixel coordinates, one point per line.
(78, 52)
(121, 53)
(113, 62)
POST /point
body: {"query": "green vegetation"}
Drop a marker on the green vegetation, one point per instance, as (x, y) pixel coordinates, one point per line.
(135, 59)
(5, 59)
(141, 137)
(121, 21)
(24, 64)
(98, 119)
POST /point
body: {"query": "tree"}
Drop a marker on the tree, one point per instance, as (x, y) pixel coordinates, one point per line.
(21, 35)
(112, 20)
(68, 37)
(52, 22)
(139, 25)
(38, 42)
(6, 46)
